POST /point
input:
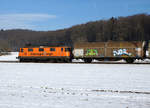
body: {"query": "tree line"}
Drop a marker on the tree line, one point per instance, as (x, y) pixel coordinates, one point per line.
(130, 28)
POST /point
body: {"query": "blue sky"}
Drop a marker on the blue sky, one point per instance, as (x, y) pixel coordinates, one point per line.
(43, 15)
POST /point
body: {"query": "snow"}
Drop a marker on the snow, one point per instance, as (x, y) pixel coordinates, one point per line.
(50, 85)
(11, 57)
(54, 85)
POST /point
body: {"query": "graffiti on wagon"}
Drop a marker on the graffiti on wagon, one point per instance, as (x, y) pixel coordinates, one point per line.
(121, 52)
(91, 52)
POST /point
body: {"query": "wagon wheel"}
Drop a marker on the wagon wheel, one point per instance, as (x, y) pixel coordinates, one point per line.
(87, 60)
(129, 60)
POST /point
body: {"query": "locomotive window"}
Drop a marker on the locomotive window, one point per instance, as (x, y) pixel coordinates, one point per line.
(67, 49)
(30, 49)
(41, 49)
(52, 49)
(62, 49)
(21, 50)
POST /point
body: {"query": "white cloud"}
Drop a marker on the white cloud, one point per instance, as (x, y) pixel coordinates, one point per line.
(23, 21)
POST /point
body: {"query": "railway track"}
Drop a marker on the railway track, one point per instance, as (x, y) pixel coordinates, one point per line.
(101, 62)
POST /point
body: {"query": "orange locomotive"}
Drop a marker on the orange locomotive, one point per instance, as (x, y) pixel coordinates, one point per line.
(43, 53)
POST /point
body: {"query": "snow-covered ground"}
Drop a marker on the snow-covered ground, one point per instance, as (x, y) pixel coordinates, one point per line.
(39, 85)
(51, 85)
(11, 57)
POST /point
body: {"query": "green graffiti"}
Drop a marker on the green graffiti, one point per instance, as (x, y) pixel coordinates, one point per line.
(91, 52)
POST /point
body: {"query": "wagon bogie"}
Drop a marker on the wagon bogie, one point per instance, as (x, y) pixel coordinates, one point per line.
(87, 60)
(129, 60)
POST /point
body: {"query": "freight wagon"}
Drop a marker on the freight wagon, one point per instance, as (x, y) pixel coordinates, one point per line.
(128, 51)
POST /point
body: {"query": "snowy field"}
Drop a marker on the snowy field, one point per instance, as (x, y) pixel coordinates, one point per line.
(11, 57)
(50, 85)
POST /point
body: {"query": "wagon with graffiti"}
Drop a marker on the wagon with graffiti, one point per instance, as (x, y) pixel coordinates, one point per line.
(128, 51)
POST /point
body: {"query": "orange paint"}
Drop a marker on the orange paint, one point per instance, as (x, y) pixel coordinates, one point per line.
(45, 52)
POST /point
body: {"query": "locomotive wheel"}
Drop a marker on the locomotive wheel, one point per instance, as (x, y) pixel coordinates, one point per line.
(24, 60)
(21, 60)
(68, 60)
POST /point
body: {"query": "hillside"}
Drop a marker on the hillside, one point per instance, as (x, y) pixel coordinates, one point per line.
(131, 28)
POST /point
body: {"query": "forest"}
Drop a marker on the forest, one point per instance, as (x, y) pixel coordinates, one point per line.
(130, 28)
